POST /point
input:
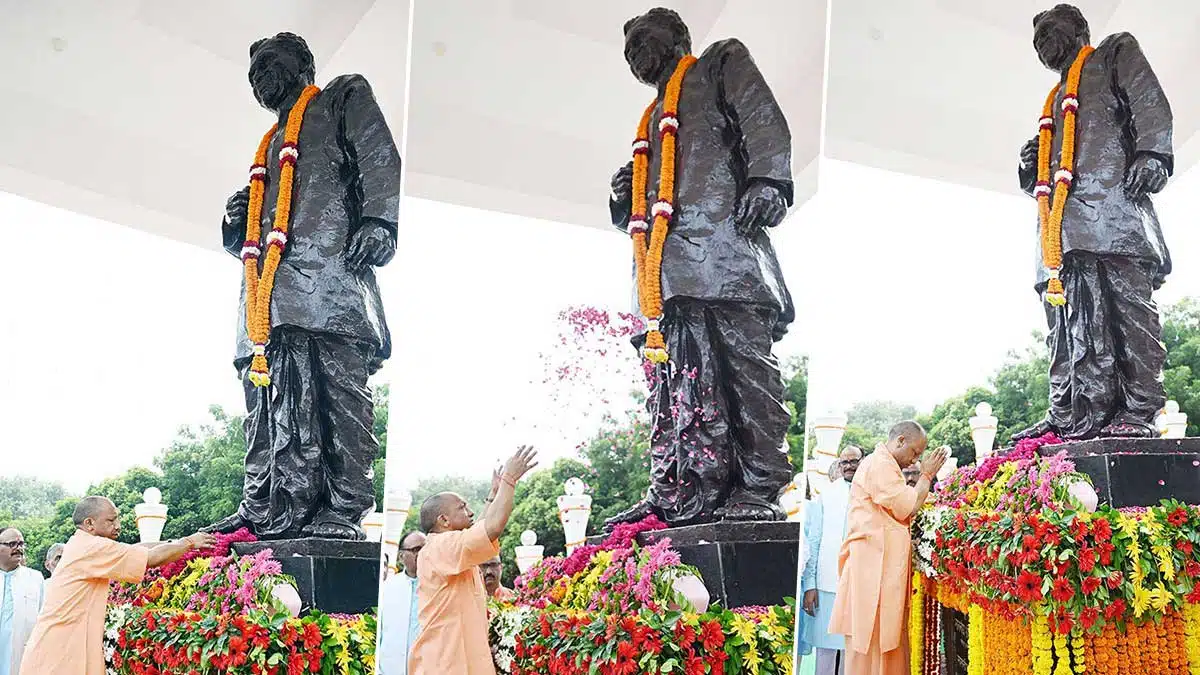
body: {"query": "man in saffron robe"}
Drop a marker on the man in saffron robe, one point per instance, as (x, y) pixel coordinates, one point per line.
(824, 531)
(451, 595)
(718, 445)
(874, 577)
(68, 638)
(1106, 358)
(309, 440)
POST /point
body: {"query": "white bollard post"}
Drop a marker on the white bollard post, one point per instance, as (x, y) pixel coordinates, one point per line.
(529, 553)
(828, 429)
(574, 509)
(397, 506)
(983, 430)
(150, 515)
(1174, 421)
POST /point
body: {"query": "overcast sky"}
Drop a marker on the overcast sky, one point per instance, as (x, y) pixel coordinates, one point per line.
(911, 295)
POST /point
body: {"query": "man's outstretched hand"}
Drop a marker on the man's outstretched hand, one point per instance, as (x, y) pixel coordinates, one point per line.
(519, 464)
(201, 540)
(237, 207)
(371, 244)
(1146, 176)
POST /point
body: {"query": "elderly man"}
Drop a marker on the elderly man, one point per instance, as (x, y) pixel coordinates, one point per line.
(493, 573)
(398, 609)
(824, 529)
(22, 600)
(69, 636)
(453, 603)
(874, 584)
(53, 555)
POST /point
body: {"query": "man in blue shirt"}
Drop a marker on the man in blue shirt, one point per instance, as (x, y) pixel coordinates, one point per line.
(21, 591)
(398, 609)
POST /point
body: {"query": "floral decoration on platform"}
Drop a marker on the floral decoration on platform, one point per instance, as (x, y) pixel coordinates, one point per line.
(1050, 587)
(216, 612)
(611, 609)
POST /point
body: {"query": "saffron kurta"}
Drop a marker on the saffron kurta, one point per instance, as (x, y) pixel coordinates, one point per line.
(69, 636)
(453, 605)
(874, 569)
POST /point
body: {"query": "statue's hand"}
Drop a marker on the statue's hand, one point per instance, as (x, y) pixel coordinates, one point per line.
(372, 244)
(1029, 154)
(760, 206)
(236, 208)
(1147, 175)
(622, 184)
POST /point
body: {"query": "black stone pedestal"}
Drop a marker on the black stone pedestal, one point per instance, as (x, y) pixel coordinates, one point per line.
(332, 575)
(1137, 471)
(741, 563)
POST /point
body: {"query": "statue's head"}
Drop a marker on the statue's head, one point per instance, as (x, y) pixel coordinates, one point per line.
(279, 67)
(654, 43)
(1058, 35)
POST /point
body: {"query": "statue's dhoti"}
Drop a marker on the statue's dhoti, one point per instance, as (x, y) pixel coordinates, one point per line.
(1106, 359)
(309, 440)
(719, 433)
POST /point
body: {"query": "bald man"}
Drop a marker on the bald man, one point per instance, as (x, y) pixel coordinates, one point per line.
(69, 636)
(452, 600)
(824, 529)
(874, 574)
(53, 555)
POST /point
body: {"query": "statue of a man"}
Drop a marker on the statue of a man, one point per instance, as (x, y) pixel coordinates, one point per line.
(309, 440)
(718, 446)
(1106, 358)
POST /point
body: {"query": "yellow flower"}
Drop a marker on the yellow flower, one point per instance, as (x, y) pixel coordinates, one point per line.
(745, 629)
(753, 660)
(1160, 597)
(1141, 601)
(784, 661)
(1165, 564)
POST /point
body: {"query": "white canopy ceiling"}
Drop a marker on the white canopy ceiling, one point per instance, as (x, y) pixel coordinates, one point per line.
(528, 107)
(139, 111)
(951, 89)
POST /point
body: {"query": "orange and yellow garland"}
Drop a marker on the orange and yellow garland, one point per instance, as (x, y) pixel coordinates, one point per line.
(258, 288)
(648, 257)
(1050, 214)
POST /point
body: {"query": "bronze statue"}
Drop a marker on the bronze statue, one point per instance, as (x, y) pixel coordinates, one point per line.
(1105, 349)
(718, 446)
(309, 436)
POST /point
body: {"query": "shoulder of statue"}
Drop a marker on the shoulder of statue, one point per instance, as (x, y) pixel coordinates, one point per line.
(723, 50)
(348, 84)
(1117, 42)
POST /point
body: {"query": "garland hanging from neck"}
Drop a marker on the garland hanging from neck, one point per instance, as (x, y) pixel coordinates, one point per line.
(647, 257)
(1050, 212)
(258, 287)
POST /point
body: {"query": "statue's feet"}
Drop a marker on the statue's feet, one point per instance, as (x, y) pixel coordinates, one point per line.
(1124, 427)
(633, 514)
(742, 512)
(228, 525)
(1040, 429)
(329, 530)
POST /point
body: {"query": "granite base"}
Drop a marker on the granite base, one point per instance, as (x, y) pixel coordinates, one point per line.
(333, 575)
(1137, 471)
(741, 563)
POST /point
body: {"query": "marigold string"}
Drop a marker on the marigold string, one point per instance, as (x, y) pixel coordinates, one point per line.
(1050, 213)
(647, 257)
(259, 286)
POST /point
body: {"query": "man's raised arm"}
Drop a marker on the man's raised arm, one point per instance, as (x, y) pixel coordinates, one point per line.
(499, 511)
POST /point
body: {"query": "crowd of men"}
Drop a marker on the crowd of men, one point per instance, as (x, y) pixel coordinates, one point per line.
(855, 581)
(55, 626)
(433, 616)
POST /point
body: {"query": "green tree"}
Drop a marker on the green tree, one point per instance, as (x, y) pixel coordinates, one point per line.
(1181, 334)
(202, 473)
(1022, 389)
(947, 424)
(381, 396)
(25, 497)
(617, 468)
(876, 418)
(795, 396)
(473, 490)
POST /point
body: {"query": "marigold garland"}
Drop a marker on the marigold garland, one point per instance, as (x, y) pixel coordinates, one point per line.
(916, 629)
(1191, 617)
(1042, 643)
(258, 288)
(648, 256)
(1050, 215)
(975, 649)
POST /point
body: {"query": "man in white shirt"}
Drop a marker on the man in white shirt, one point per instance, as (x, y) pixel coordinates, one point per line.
(21, 594)
(825, 528)
(398, 609)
